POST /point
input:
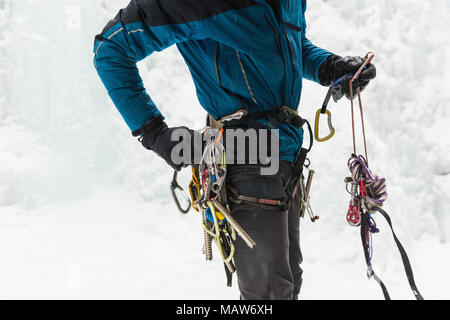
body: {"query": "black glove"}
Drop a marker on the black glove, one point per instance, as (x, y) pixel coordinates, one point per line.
(158, 138)
(335, 67)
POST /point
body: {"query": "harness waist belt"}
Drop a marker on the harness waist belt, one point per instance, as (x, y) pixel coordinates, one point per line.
(243, 117)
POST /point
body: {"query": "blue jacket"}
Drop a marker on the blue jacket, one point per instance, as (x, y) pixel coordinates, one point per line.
(241, 54)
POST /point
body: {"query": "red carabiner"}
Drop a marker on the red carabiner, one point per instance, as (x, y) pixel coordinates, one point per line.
(362, 188)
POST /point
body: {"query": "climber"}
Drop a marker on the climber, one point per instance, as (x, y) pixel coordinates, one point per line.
(248, 55)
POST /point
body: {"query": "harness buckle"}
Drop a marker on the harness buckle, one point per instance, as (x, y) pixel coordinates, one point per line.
(238, 115)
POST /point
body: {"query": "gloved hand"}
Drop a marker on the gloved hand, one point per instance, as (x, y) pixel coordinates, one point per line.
(335, 67)
(158, 138)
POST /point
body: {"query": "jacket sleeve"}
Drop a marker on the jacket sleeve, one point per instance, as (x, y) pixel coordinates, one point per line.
(137, 31)
(313, 56)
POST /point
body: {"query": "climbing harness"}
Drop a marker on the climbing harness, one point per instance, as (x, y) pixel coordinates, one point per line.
(368, 194)
(209, 196)
(289, 116)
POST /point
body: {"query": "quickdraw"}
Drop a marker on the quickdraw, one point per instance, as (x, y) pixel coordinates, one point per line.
(305, 204)
(324, 110)
(335, 86)
(208, 196)
(368, 194)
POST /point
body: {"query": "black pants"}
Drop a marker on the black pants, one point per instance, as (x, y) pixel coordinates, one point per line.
(271, 270)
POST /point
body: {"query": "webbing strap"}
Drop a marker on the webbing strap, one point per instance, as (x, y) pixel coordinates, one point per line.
(401, 249)
(259, 205)
(365, 234)
(266, 204)
(404, 255)
(331, 90)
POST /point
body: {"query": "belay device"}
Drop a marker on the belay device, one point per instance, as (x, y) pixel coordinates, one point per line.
(368, 191)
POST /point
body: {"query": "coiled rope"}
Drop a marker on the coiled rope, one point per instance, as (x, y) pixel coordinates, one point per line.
(368, 196)
(375, 185)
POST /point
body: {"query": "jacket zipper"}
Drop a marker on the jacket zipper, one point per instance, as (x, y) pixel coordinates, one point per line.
(245, 77)
(291, 51)
(277, 11)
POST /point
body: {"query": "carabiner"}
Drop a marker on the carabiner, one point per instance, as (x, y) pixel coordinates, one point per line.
(330, 126)
(175, 186)
(216, 234)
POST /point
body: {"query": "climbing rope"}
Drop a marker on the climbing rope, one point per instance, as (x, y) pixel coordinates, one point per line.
(368, 194)
(369, 58)
(361, 172)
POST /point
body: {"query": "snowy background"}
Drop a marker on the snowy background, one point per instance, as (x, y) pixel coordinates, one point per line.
(85, 211)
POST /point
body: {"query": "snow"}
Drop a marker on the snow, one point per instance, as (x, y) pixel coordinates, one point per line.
(86, 213)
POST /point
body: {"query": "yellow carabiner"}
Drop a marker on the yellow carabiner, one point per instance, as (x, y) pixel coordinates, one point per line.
(194, 189)
(217, 235)
(330, 125)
